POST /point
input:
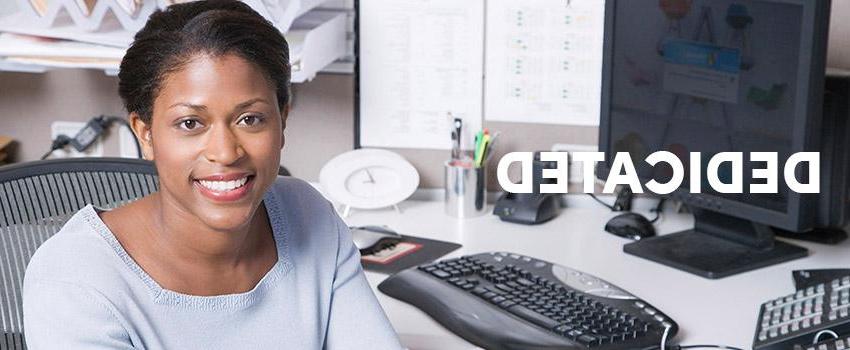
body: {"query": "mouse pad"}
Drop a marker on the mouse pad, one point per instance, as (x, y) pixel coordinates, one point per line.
(410, 252)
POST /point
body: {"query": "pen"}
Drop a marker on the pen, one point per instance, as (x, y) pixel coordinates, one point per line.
(479, 142)
(485, 147)
(488, 150)
(458, 126)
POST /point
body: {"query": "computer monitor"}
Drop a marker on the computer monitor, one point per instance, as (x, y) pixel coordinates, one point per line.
(716, 76)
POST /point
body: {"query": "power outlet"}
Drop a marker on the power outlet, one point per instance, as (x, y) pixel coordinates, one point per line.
(576, 168)
(70, 129)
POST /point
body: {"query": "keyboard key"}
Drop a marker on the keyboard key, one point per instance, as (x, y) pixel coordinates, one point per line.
(440, 274)
(506, 304)
(587, 340)
(563, 329)
(533, 317)
(493, 289)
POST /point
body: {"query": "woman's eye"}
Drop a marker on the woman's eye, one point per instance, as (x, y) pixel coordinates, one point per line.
(251, 120)
(189, 124)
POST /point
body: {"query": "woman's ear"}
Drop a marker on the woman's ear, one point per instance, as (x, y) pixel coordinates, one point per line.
(143, 134)
(284, 115)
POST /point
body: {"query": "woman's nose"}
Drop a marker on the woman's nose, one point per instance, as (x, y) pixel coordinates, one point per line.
(223, 147)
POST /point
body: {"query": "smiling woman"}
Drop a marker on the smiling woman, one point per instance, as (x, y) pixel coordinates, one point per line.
(226, 254)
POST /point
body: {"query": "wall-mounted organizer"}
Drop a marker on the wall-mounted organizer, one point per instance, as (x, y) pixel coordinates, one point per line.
(87, 15)
(47, 34)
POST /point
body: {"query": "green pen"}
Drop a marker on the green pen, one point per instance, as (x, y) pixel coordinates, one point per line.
(480, 146)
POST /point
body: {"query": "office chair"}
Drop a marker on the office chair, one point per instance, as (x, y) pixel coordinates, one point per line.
(37, 198)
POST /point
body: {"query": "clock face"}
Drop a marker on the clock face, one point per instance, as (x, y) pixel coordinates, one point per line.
(373, 182)
(368, 178)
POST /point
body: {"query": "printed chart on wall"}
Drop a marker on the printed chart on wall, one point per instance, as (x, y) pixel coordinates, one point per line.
(544, 61)
(423, 63)
(420, 67)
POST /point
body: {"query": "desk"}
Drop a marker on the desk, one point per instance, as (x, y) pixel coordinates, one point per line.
(708, 311)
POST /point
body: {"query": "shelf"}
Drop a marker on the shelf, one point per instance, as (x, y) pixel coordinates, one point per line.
(108, 24)
(316, 39)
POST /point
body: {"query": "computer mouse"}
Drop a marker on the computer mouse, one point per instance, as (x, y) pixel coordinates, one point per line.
(630, 225)
(370, 239)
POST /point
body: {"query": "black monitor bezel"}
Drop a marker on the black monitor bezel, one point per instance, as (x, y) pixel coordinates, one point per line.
(801, 209)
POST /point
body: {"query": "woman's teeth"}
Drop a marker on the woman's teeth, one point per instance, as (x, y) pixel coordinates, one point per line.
(223, 186)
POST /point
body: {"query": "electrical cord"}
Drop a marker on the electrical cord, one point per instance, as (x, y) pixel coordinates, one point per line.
(89, 134)
(822, 332)
(109, 119)
(666, 333)
(664, 337)
(697, 346)
(58, 143)
(658, 210)
(601, 202)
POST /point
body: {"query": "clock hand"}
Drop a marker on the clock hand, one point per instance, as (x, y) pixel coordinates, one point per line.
(371, 179)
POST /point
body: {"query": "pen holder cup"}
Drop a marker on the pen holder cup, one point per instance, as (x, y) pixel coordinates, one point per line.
(466, 189)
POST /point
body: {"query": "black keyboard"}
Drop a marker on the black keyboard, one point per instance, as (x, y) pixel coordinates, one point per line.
(796, 319)
(509, 301)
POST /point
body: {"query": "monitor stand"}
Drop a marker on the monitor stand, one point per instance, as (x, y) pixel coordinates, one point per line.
(829, 236)
(718, 246)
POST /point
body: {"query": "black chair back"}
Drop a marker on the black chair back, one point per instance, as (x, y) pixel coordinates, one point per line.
(37, 198)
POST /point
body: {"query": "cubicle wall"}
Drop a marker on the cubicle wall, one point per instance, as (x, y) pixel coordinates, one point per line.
(321, 124)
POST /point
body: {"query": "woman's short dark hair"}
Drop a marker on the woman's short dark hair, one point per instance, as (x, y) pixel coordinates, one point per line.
(172, 37)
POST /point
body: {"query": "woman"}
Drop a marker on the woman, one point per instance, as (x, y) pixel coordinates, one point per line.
(225, 255)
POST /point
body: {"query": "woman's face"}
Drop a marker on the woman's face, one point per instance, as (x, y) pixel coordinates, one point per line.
(215, 136)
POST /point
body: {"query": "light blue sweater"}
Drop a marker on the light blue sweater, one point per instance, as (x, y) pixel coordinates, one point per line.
(83, 291)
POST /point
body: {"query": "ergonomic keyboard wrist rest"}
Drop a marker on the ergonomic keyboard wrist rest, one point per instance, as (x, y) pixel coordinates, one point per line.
(501, 328)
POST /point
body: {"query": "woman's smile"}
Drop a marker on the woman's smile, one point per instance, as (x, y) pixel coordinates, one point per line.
(225, 187)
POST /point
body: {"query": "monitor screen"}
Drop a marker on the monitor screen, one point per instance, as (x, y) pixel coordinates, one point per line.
(707, 76)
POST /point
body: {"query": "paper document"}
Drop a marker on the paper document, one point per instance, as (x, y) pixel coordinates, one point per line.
(544, 61)
(421, 61)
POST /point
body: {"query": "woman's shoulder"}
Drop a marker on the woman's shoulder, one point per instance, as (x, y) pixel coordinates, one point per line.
(304, 216)
(299, 198)
(77, 254)
(292, 188)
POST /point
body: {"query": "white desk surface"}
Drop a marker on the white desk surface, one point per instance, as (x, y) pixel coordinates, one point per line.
(708, 311)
